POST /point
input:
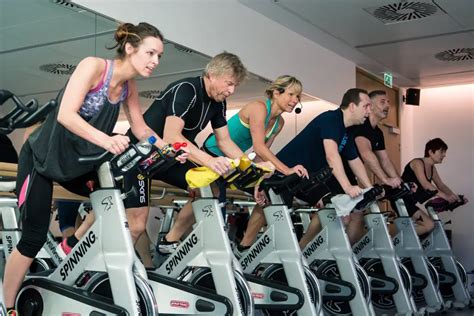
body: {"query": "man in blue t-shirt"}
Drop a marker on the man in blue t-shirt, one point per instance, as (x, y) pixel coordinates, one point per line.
(322, 143)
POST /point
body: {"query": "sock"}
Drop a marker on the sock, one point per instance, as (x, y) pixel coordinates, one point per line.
(242, 248)
(71, 241)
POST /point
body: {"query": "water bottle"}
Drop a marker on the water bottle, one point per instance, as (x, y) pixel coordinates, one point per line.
(130, 158)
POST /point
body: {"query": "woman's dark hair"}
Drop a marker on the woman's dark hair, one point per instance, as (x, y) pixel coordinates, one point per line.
(434, 145)
(133, 34)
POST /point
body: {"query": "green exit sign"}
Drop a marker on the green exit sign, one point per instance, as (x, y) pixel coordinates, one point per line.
(387, 79)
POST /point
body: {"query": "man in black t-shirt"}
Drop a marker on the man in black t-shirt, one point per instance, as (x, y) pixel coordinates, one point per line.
(179, 114)
(370, 141)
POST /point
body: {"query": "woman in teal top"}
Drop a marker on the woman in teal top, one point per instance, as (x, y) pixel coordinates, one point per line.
(259, 122)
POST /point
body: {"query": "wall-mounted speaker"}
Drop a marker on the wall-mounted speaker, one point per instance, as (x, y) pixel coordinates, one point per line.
(412, 96)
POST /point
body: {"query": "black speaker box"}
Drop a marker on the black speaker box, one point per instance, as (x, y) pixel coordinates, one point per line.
(413, 96)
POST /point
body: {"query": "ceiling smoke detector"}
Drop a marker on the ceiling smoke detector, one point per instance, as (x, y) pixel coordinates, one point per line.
(402, 11)
(456, 54)
(58, 68)
(150, 94)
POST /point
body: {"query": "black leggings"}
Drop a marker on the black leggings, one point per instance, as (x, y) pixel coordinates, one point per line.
(35, 194)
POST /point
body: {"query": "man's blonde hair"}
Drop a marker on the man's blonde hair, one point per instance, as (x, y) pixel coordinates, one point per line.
(226, 64)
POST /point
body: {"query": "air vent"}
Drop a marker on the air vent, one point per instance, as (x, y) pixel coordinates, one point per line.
(402, 11)
(457, 54)
(65, 4)
(183, 49)
(58, 68)
(149, 94)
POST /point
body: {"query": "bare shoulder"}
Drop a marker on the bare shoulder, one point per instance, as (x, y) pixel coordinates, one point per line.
(254, 106)
(251, 109)
(416, 164)
(92, 64)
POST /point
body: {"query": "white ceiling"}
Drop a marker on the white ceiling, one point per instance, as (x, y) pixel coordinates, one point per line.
(41, 32)
(407, 49)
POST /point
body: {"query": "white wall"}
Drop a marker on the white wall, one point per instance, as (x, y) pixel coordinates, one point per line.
(266, 47)
(448, 113)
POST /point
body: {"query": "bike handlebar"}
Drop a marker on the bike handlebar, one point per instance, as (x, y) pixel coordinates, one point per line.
(155, 159)
(440, 205)
(396, 193)
(369, 197)
(294, 183)
(22, 115)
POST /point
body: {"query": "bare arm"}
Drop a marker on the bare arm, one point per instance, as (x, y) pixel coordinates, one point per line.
(262, 148)
(443, 189)
(358, 168)
(387, 164)
(135, 117)
(84, 78)
(173, 133)
(370, 159)
(335, 162)
(226, 144)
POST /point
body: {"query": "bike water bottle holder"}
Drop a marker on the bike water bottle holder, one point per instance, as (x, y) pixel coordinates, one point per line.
(147, 164)
(121, 164)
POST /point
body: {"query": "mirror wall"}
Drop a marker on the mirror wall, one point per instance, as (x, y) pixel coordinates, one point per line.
(41, 41)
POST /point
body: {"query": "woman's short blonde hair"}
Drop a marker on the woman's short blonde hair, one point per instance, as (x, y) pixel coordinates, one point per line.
(282, 83)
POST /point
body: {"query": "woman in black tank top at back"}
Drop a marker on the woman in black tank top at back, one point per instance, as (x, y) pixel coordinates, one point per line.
(423, 173)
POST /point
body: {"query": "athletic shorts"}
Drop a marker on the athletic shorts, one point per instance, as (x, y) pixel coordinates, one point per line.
(175, 176)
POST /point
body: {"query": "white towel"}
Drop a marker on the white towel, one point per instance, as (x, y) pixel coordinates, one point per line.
(344, 204)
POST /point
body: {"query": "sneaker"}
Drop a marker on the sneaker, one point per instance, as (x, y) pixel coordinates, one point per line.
(63, 249)
(12, 312)
(167, 247)
(239, 253)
